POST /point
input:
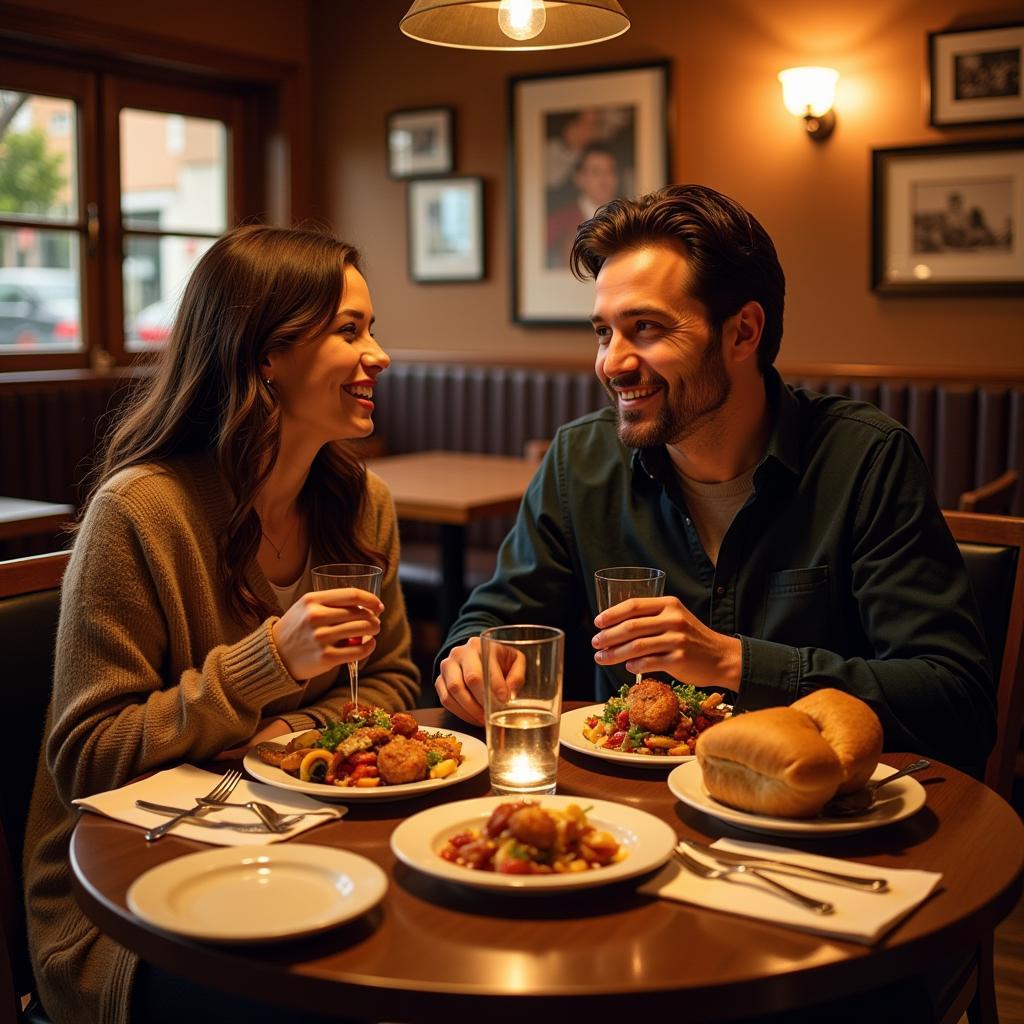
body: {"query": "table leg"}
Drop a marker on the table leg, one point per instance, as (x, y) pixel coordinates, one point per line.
(453, 573)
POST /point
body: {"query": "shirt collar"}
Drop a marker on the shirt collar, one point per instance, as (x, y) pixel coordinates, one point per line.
(783, 441)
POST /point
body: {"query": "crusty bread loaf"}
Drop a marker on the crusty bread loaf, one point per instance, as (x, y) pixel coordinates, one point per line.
(850, 728)
(773, 761)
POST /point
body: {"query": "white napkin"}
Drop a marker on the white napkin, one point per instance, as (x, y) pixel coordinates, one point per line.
(178, 787)
(858, 916)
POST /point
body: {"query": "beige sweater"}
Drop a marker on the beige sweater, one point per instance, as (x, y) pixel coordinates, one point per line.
(152, 669)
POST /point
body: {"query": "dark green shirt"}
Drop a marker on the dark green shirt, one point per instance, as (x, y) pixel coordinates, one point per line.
(839, 570)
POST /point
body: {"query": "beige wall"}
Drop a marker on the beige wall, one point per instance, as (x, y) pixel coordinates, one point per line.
(730, 131)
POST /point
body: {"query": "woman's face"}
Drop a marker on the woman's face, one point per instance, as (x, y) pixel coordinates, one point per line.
(325, 384)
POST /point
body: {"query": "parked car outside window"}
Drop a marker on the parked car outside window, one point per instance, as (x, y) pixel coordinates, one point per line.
(39, 306)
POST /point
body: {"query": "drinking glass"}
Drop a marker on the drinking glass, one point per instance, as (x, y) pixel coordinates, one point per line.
(621, 582)
(361, 577)
(522, 705)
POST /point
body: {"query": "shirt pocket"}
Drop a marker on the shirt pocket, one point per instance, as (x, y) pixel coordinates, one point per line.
(798, 608)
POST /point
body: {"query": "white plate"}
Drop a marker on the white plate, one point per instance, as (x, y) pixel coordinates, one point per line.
(897, 801)
(474, 762)
(257, 893)
(418, 841)
(570, 734)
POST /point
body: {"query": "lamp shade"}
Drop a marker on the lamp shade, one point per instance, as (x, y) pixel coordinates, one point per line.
(808, 90)
(474, 24)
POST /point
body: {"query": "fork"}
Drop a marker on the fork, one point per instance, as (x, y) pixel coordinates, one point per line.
(270, 816)
(221, 791)
(702, 870)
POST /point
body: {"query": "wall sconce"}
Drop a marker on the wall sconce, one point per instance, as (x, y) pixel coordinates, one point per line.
(809, 93)
(513, 24)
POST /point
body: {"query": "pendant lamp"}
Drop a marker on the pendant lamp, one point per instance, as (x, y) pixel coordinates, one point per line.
(513, 24)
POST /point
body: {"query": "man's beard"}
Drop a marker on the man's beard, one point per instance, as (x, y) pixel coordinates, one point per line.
(680, 416)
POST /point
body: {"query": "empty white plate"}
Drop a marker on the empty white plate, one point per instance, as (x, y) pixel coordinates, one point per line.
(257, 893)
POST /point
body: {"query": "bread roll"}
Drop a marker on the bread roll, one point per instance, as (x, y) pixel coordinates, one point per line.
(850, 728)
(772, 761)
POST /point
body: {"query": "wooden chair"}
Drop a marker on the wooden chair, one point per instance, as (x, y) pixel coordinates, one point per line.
(994, 498)
(992, 549)
(29, 607)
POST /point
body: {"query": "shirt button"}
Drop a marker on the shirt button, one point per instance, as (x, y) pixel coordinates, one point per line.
(719, 591)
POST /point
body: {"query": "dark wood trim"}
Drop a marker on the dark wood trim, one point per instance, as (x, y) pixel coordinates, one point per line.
(28, 575)
(854, 371)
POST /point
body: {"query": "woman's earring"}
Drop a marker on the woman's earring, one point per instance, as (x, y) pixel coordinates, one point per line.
(267, 381)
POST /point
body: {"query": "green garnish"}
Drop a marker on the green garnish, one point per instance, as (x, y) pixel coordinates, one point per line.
(336, 732)
(690, 698)
(434, 757)
(634, 738)
(517, 852)
(381, 718)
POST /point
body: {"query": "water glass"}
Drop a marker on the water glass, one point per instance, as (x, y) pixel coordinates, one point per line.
(360, 577)
(522, 705)
(621, 582)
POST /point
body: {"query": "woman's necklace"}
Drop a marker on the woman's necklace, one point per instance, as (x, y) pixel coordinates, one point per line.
(279, 550)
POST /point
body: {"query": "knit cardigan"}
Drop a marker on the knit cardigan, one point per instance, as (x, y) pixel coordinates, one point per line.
(153, 668)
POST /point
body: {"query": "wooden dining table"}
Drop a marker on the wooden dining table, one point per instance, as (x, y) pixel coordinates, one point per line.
(433, 950)
(453, 489)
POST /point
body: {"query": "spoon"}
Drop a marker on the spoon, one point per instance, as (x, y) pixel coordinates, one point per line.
(861, 800)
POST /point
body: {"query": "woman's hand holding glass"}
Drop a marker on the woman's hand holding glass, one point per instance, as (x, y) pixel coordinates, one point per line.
(326, 628)
(660, 634)
(460, 686)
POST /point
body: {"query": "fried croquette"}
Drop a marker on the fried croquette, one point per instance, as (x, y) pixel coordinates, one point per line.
(653, 706)
(402, 760)
(533, 826)
(404, 724)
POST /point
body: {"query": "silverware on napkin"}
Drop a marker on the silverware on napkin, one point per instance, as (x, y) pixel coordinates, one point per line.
(186, 819)
(786, 868)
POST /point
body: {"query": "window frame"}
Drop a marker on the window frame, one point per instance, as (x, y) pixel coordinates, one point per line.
(268, 148)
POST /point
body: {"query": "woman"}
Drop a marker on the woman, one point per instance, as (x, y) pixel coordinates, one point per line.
(184, 632)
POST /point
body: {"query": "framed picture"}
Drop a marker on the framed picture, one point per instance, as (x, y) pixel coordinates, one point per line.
(949, 220)
(976, 75)
(446, 229)
(420, 142)
(577, 140)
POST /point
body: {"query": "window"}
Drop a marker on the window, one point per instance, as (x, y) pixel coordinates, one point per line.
(112, 185)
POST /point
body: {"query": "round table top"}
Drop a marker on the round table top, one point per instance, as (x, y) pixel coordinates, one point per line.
(432, 947)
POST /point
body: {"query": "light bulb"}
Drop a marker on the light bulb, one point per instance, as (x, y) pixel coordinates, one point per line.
(522, 19)
(808, 90)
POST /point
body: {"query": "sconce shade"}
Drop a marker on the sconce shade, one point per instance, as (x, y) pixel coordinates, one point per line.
(473, 24)
(808, 91)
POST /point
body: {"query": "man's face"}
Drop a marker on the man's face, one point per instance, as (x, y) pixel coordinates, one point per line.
(598, 178)
(657, 355)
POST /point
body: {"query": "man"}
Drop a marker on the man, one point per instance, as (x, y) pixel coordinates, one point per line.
(802, 542)
(596, 182)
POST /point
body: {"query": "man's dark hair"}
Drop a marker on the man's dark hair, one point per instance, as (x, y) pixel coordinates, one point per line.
(732, 258)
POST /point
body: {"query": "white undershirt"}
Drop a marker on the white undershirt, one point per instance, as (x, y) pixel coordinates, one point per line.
(714, 506)
(289, 594)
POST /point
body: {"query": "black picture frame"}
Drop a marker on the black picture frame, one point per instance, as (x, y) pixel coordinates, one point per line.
(621, 114)
(948, 219)
(421, 142)
(445, 221)
(976, 75)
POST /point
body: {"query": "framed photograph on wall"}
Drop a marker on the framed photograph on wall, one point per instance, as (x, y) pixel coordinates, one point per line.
(577, 140)
(446, 229)
(949, 220)
(420, 142)
(976, 75)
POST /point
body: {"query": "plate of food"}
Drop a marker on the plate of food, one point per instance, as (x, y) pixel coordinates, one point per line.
(236, 895)
(648, 725)
(368, 755)
(778, 770)
(541, 844)
(897, 801)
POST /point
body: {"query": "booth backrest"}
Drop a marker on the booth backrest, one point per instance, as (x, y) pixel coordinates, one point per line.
(970, 431)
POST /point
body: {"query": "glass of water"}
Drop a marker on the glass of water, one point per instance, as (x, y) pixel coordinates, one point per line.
(360, 577)
(522, 705)
(621, 582)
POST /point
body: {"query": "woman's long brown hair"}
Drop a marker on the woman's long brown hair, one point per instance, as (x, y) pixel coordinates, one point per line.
(256, 289)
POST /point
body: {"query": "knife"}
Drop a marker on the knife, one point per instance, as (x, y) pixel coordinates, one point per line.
(785, 868)
(237, 826)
